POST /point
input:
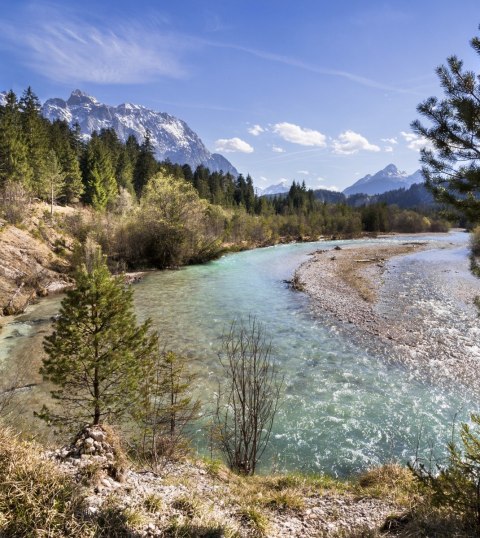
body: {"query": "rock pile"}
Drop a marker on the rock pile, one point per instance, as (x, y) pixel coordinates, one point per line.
(95, 445)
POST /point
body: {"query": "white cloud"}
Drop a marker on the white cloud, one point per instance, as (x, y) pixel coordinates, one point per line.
(232, 145)
(300, 135)
(331, 188)
(389, 140)
(350, 142)
(320, 178)
(388, 149)
(277, 149)
(415, 142)
(256, 130)
(64, 48)
(303, 172)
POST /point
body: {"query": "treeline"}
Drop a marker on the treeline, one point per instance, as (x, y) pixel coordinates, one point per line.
(146, 212)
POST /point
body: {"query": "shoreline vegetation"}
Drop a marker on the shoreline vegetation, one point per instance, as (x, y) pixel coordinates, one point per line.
(40, 252)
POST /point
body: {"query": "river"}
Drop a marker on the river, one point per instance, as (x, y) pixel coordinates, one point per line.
(347, 404)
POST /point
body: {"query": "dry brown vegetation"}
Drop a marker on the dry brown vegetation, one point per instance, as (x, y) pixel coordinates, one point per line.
(350, 266)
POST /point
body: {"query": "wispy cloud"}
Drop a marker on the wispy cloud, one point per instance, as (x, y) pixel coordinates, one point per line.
(277, 149)
(388, 149)
(233, 145)
(389, 140)
(65, 48)
(351, 142)
(303, 172)
(300, 64)
(300, 135)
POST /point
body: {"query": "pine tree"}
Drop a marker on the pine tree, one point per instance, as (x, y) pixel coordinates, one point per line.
(34, 129)
(99, 178)
(14, 165)
(124, 172)
(97, 352)
(146, 166)
(451, 166)
(62, 141)
(55, 180)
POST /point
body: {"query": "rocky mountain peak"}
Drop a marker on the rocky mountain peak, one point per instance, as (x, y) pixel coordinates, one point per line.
(171, 137)
(387, 179)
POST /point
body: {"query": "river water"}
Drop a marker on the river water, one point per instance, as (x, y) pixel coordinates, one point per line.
(347, 404)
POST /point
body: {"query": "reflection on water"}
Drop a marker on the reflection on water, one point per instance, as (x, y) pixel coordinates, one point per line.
(346, 405)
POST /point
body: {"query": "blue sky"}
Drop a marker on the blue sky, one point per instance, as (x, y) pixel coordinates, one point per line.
(308, 90)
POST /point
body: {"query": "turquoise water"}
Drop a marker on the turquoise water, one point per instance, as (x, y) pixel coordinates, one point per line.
(344, 408)
(347, 404)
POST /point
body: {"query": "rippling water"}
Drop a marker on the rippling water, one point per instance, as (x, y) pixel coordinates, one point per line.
(346, 404)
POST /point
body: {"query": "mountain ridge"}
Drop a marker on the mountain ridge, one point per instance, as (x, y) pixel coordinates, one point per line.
(171, 137)
(388, 179)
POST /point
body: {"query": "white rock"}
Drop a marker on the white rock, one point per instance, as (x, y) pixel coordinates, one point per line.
(97, 435)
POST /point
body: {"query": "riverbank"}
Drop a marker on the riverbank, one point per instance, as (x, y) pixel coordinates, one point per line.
(414, 298)
(101, 491)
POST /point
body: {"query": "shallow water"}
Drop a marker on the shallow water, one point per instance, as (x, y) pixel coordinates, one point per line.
(347, 403)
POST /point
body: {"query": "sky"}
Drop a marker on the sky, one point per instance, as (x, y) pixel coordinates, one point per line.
(314, 91)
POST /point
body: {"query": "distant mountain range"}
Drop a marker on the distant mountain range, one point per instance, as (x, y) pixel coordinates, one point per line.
(388, 179)
(171, 137)
(279, 188)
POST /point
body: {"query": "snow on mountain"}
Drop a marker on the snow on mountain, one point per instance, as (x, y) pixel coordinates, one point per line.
(388, 179)
(171, 137)
(279, 188)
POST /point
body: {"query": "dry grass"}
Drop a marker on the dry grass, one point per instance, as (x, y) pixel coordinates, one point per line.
(36, 499)
(391, 482)
(351, 265)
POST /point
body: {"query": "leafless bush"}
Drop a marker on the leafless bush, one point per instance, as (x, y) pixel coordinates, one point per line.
(248, 400)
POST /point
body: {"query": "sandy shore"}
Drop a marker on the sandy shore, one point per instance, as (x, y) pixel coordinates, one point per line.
(414, 309)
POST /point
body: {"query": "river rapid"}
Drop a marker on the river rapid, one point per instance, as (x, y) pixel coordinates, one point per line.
(350, 402)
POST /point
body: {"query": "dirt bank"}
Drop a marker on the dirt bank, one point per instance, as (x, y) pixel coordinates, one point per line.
(31, 265)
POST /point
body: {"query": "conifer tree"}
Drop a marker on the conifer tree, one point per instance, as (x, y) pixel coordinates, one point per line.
(97, 352)
(124, 172)
(35, 134)
(451, 162)
(62, 141)
(55, 180)
(146, 165)
(14, 165)
(99, 178)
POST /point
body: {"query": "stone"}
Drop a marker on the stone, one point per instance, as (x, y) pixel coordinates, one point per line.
(97, 435)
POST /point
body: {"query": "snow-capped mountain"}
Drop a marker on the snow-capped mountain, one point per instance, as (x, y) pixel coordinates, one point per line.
(171, 137)
(279, 188)
(388, 179)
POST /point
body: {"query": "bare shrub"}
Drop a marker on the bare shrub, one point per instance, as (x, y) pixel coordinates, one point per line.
(248, 400)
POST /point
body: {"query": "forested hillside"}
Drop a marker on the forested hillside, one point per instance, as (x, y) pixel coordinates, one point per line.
(147, 213)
